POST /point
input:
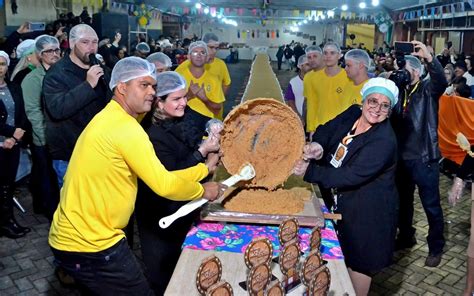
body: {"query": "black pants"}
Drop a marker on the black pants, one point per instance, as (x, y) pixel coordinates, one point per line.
(114, 271)
(160, 248)
(44, 185)
(426, 177)
(9, 161)
(279, 61)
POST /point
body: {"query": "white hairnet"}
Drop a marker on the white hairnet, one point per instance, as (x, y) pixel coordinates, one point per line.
(25, 48)
(415, 63)
(165, 43)
(131, 68)
(44, 40)
(358, 55)
(143, 47)
(197, 44)
(333, 45)
(80, 31)
(302, 60)
(169, 82)
(210, 37)
(5, 56)
(382, 86)
(159, 57)
(314, 48)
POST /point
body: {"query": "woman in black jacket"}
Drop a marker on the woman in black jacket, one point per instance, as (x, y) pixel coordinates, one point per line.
(356, 156)
(176, 138)
(13, 124)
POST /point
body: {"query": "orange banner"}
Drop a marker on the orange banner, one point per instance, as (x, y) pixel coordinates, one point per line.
(456, 114)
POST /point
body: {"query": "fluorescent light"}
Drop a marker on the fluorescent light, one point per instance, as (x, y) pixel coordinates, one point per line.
(198, 5)
(344, 7)
(362, 5)
(375, 2)
(330, 13)
(206, 10)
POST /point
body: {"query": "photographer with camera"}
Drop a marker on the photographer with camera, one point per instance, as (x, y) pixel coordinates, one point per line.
(415, 121)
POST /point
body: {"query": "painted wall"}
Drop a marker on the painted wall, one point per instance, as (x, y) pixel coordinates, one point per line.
(228, 33)
(30, 10)
(364, 34)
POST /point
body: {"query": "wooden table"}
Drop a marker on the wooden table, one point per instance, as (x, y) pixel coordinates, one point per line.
(234, 271)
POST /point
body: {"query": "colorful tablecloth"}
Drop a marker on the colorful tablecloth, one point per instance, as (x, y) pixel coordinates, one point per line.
(231, 237)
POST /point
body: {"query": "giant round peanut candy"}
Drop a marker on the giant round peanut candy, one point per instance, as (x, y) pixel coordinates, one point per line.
(267, 134)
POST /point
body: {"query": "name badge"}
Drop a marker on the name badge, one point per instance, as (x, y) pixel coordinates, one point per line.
(339, 156)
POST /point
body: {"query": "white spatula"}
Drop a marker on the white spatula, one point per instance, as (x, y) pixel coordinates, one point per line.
(246, 173)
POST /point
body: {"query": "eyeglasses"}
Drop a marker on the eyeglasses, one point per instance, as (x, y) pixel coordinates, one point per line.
(373, 103)
(52, 51)
(196, 53)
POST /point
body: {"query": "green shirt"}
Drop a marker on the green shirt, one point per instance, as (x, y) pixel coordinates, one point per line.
(32, 87)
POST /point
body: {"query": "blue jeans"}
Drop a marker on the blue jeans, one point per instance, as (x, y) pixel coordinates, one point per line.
(60, 167)
(426, 177)
(114, 271)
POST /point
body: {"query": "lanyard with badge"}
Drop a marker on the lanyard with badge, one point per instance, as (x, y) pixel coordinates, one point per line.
(342, 148)
(341, 152)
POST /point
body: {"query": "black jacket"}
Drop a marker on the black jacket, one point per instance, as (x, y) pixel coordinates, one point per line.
(21, 121)
(70, 103)
(365, 183)
(423, 111)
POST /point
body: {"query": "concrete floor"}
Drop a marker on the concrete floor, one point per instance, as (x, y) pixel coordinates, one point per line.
(26, 266)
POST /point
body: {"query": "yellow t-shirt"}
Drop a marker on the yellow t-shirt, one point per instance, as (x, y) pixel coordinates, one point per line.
(324, 97)
(217, 67)
(212, 87)
(99, 192)
(351, 94)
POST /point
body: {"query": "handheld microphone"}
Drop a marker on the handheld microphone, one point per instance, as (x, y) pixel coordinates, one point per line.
(94, 61)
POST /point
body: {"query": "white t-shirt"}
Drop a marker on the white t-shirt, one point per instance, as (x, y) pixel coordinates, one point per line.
(297, 87)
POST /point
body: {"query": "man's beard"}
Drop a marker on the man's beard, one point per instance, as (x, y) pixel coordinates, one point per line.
(82, 57)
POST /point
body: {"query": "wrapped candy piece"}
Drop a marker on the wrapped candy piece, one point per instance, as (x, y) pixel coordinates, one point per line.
(214, 127)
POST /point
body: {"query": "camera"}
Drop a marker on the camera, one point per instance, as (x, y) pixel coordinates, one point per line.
(401, 77)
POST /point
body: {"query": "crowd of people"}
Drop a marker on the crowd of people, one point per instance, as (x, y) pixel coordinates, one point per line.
(111, 134)
(346, 162)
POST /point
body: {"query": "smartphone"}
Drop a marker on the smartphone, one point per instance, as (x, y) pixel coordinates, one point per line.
(404, 47)
(37, 26)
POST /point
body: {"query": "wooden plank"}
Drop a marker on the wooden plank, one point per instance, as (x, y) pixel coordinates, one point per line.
(310, 216)
(262, 81)
(234, 271)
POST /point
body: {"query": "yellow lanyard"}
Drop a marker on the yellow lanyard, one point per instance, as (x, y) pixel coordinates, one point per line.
(345, 141)
(407, 97)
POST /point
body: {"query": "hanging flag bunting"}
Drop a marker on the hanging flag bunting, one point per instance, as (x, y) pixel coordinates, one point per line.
(238, 34)
(296, 13)
(307, 13)
(278, 33)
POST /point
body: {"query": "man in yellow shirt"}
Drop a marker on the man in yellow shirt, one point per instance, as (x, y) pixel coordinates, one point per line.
(357, 64)
(98, 196)
(324, 95)
(314, 56)
(205, 94)
(214, 65)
